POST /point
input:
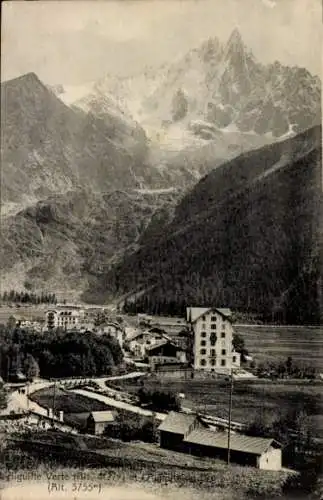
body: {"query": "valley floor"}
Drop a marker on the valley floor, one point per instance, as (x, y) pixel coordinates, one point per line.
(276, 342)
(251, 398)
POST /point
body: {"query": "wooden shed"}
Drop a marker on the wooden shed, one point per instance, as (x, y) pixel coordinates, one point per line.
(263, 453)
(99, 420)
(175, 428)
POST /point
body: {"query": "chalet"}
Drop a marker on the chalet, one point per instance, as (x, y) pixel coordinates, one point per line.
(141, 341)
(113, 329)
(165, 351)
(213, 334)
(99, 420)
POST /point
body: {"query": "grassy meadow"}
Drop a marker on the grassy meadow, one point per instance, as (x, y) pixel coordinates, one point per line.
(250, 398)
(275, 343)
(66, 401)
(147, 468)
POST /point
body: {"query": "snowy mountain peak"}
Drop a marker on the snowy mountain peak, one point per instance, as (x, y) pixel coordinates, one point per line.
(210, 49)
(235, 37)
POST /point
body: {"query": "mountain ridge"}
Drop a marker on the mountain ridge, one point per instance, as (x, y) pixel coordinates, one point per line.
(258, 251)
(48, 147)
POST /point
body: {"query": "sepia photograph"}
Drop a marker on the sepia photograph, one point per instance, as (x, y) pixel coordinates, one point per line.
(161, 257)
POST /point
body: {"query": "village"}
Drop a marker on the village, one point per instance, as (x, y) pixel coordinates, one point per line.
(149, 398)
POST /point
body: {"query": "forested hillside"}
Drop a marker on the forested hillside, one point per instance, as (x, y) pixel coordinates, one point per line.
(248, 236)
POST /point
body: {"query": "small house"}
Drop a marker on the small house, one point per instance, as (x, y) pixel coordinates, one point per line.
(175, 428)
(141, 341)
(99, 420)
(165, 351)
(114, 329)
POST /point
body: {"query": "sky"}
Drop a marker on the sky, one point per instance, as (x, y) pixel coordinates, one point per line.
(77, 41)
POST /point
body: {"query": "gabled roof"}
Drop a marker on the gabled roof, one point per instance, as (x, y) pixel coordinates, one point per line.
(177, 423)
(103, 416)
(194, 313)
(146, 333)
(225, 311)
(164, 342)
(159, 344)
(157, 329)
(238, 442)
(134, 336)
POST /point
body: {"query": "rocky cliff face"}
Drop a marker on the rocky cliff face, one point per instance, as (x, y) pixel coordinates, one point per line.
(225, 86)
(48, 147)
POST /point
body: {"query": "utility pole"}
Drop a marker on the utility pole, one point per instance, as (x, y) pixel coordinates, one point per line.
(230, 412)
(54, 397)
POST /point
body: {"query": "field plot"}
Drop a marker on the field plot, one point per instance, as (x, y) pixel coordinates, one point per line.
(66, 401)
(22, 312)
(274, 343)
(250, 398)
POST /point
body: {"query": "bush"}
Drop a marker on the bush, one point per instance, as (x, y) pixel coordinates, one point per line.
(158, 400)
(133, 428)
(286, 370)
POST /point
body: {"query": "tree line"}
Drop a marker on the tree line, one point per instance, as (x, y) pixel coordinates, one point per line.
(285, 369)
(255, 250)
(28, 297)
(57, 354)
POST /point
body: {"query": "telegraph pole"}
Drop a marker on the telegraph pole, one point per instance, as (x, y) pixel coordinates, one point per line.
(230, 412)
(54, 397)
(27, 390)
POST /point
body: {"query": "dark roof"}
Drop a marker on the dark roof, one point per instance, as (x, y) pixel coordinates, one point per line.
(177, 423)
(112, 323)
(165, 342)
(194, 313)
(238, 442)
(158, 344)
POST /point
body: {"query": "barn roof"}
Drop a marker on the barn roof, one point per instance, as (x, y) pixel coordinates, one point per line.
(103, 416)
(238, 442)
(177, 423)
